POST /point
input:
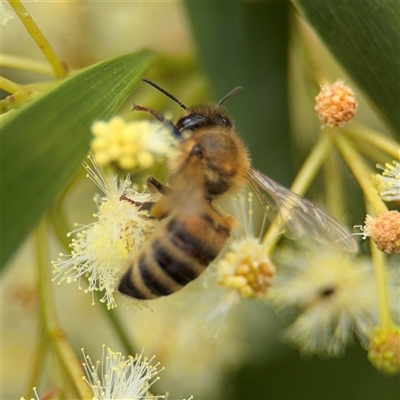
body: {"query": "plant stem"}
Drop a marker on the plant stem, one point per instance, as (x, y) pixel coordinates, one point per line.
(360, 170)
(9, 86)
(54, 333)
(377, 139)
(59, 68)
(60, 227)
(366, 149)
(334, 193)
(38, 361)
(380, 268)
(301, 183)
(119, 329)
(13, 61)
(18, 99)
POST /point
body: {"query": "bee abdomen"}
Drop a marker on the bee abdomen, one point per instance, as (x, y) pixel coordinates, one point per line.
(175, 257)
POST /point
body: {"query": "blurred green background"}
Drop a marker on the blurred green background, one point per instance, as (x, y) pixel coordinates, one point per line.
(272, 49)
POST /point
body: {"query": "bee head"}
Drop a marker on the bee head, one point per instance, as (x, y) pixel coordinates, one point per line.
(200, 116)
(203, 117)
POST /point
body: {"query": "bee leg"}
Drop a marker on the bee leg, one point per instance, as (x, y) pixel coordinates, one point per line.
(161, 118)
(144, 206)
(153, 183)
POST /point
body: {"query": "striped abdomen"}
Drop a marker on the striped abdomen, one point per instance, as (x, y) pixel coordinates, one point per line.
(176, 255)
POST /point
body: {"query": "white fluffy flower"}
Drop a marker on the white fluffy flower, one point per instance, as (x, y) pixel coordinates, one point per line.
(388, 183)
(118, 377)
(331, 297)
(102, 249)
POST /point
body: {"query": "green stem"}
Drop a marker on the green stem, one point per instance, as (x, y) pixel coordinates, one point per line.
(376, 139)
(55, 334)
(61, 227)
(334, 193)
(374, 153)
(17, 99)
(360, 170)
(9, 86)
(301, 183)
(378, 259)
(37, 364)
(59, 68)
(119, 328)
(13, 61)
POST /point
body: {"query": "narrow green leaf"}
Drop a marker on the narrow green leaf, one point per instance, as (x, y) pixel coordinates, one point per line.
(44, 143)
(245, 44)
(364, 36)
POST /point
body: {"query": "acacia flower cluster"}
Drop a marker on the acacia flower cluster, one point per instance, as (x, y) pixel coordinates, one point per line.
(129, 145)
(102, 249)
(388, 182)
(384, 230)
(246, 267)
(243, 271)
(118, 377)
(335, 104)
(384, 349)
(329, 296)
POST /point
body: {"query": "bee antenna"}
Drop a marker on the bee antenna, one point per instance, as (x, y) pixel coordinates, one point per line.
(165, 92)
(230, 94)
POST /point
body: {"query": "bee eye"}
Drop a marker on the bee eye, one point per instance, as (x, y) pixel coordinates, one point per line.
(223, 121)
(190, 121)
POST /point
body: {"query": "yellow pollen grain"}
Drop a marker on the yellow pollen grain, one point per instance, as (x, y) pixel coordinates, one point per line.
(246, 291)
(127, 162)
(145, 159)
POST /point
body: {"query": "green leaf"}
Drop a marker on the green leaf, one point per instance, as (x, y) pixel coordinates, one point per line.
(245, 44)
(364, 36)
(44, 143)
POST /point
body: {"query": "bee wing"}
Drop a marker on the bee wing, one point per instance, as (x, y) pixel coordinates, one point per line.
(299, 215)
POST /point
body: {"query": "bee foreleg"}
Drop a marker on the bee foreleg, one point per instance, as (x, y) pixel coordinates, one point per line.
(161, 118)
(153, 183)
(144, 206)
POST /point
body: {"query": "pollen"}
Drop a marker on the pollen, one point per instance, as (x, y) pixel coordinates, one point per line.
(384, 231)
(335, 104)
(247, 269)
(384, 350)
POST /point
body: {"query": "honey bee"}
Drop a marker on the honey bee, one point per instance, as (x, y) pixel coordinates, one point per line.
(210, 161)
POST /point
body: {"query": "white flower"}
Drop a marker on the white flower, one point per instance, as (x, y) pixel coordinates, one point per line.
(388, 183)
(331, 296)
(118, 377)
(103, 248)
